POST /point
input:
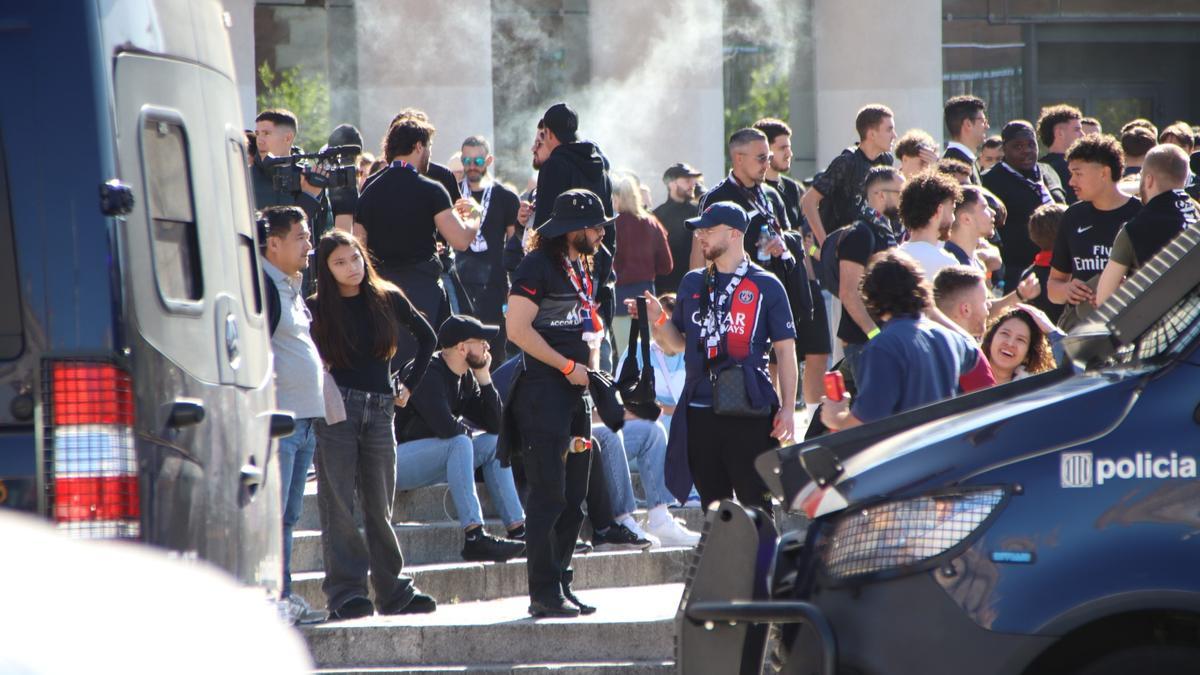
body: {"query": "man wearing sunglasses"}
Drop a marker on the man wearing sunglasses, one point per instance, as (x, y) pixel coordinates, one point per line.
(481, 266)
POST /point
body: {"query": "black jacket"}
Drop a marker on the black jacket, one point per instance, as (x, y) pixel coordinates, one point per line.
(955, 153)
(442, 402)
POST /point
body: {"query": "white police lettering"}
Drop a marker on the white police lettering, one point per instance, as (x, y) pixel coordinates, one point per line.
(1082, 470)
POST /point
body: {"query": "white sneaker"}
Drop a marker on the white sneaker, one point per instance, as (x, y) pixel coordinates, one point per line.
(632, 524)
(671, 532)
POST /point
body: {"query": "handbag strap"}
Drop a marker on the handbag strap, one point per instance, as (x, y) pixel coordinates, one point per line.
(634, 332)
(643, 328)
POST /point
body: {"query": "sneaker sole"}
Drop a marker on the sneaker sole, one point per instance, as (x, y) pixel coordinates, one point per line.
(601, 548)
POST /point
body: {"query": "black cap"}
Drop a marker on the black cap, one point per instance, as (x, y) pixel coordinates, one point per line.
(460, 328)
(680, 170)
(345, 134)
(574, 210)
(561, 119)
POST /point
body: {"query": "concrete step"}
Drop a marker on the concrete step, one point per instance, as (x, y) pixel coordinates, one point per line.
(634, 624)
(597, 668)
(473, 582)
(437, 542)
(427, 504)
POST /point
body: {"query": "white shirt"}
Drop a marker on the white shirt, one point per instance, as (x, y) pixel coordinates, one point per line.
(962, 148)
(931, 257)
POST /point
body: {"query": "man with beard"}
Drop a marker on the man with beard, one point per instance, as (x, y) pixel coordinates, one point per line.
(680, 205)
(1023, 185)
(574, 163)
(729, 315)
(436, 445)
(481, 266)
(554, 318)
(399, 215)
(514, 247)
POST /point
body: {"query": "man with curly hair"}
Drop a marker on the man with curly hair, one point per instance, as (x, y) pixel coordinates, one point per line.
(1058, 127)
(913, 361)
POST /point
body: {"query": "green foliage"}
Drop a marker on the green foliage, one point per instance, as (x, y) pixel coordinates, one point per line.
(766, 96)
(307, 96)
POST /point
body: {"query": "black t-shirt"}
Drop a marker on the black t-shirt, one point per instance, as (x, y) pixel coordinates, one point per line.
(478, 268)
(368, 372)
(1086, 235)
(397, 210)
(679, 239)
(1021, 200)
(790, 191)
(860, 243)
(561, 319)
(841, 185)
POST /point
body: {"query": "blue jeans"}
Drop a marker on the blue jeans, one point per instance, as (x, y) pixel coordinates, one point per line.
(295, 456)
(430, 461)
(646, 449)
(615, 465)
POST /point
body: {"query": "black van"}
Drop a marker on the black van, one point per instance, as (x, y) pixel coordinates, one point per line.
(1047, 526)
(136, 393)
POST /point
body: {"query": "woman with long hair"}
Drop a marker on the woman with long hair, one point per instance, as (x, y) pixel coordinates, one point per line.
(643, 252)
(1016, 346)
(357, 319)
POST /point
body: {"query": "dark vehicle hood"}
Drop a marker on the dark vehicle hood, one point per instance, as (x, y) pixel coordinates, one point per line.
(584, 156)
(956, 448)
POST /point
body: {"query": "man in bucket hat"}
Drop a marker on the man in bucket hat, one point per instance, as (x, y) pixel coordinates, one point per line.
(553, 317)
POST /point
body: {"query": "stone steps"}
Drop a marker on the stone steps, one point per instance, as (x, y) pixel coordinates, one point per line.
(634, 624)
(473, 582)
(425, 543)
(598, 668)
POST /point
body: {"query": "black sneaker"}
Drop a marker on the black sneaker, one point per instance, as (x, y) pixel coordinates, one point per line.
(482, 547)
(517, 533)
(582, 547)
(354, 608)
(619, 538)
(560, 608)
(583, 608)
(420, 604)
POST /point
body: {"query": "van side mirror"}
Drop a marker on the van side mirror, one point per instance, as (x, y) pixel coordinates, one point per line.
(116, 198)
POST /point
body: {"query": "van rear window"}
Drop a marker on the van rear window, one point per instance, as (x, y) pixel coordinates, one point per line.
(172, 216)
(11, 331)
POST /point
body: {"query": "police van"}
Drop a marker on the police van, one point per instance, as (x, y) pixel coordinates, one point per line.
(136, 393)
(1049, 525)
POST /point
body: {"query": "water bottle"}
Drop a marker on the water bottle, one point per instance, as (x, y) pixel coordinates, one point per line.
(764, 240)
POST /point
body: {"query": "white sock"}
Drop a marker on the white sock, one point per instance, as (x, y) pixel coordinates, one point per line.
(658, 515)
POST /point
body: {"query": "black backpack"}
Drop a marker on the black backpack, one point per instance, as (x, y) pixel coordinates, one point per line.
(829, 269)
(274, 306)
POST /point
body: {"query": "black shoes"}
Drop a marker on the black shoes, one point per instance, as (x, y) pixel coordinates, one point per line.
(619, 538)
(560, 608)
(483, 547)
(583, 609)
(582, 547)
(354, 608)
(420, 604)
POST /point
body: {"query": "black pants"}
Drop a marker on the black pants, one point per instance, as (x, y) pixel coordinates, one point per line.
(545, 410)
(721, 454)
(422, 283)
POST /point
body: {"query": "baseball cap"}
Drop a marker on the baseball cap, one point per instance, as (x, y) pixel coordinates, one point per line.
(562, 120)
(721, 213)
(460, 328)
(680, 170)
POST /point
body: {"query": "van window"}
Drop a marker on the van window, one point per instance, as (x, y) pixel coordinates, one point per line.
(11, 333)
(243, 219)
(172, 217)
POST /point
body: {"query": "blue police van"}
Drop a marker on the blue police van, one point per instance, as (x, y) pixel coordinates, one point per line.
(136, 392)
(1049, 525)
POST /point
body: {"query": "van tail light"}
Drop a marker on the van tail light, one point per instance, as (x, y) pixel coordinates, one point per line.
(91, 460)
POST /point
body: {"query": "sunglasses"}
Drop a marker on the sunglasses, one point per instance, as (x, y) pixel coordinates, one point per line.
(479, 161)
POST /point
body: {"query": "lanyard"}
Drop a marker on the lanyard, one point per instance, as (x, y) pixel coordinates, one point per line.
(714, 326)
(479, 244)
(758, 198)
(1037, 185)
(593, 332)
(401, 164)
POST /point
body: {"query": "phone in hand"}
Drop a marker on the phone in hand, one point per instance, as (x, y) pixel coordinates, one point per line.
(835, 386)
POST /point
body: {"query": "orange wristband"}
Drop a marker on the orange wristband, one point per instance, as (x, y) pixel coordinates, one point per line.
(569, 368)
(662, 318)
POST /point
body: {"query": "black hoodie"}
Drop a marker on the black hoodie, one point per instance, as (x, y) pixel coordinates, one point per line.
(580, 164)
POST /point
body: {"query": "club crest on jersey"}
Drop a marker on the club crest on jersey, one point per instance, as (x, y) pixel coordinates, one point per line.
(746, 297)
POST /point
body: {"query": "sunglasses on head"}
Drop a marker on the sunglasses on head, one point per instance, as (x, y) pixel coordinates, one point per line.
(479, 161)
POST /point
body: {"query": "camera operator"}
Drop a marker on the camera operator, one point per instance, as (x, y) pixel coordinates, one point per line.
(343, 200)
(276, 131)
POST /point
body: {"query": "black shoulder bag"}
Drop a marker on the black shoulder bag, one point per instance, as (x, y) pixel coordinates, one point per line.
(637, 385)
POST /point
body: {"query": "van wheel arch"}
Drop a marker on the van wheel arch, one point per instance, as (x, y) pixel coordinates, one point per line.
(1105, 643)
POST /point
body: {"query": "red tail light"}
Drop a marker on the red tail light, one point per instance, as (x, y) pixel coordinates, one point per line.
(92, 472)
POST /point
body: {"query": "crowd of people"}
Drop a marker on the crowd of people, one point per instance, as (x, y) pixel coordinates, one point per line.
(554, 339)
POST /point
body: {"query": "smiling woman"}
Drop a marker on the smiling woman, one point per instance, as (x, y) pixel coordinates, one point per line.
(1016, 347)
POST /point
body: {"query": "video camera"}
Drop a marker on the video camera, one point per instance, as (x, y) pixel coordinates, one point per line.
(333, 167)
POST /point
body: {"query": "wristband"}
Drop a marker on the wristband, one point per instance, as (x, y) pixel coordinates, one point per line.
(813, 250)
(662, 318)
(569, 368)
(873, 334)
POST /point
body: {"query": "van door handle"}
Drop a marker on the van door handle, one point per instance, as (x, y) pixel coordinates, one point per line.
(185, 412)
(252, 476)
